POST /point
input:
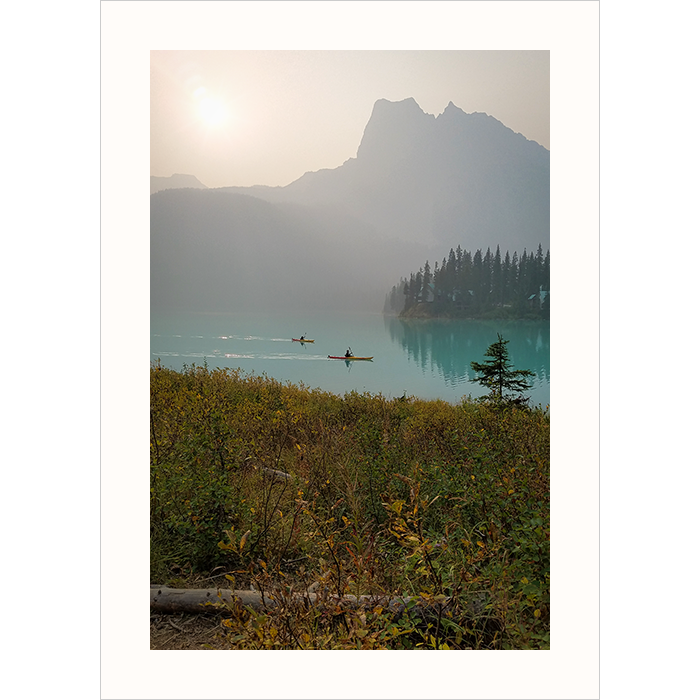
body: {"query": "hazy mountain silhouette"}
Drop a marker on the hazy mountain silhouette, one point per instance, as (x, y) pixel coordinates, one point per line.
(455, 179)
(222, 251)
(340, 238)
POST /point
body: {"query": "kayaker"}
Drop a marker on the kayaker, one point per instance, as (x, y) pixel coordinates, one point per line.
(348, 353)
(301, 338)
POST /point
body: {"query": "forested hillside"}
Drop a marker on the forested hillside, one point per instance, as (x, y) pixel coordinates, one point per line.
(486, 285)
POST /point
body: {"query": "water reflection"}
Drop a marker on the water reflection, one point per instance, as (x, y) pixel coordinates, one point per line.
(449, 347)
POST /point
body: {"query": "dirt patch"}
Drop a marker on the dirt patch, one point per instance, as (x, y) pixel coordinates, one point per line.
(187, 632)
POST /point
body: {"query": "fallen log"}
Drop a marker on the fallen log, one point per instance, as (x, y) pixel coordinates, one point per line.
(201, 600)
(209, 600)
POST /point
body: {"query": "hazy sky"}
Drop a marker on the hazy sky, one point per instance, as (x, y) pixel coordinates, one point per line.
(267, 117)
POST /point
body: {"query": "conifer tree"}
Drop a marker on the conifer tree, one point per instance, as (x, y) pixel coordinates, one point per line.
(496, 374)
(505, 279)
(427, 278)
(496, 279)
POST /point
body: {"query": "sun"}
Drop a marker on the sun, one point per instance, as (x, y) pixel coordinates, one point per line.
(212, 111)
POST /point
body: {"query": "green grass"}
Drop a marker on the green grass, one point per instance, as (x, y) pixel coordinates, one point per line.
(447, 504)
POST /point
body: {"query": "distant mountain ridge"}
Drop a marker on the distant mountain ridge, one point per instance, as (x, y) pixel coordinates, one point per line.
(340, 238)
(223, 251)
(173, 182)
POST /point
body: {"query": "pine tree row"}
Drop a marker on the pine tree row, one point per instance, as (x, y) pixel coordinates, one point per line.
(478, 285)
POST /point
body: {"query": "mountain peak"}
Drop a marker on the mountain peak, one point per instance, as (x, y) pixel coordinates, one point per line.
(408, 102)
(391, 126)
(452, 112)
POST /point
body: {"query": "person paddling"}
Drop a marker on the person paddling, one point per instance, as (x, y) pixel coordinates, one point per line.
(348, 353)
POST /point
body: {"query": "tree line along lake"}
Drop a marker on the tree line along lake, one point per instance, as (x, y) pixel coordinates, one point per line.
(426, 358)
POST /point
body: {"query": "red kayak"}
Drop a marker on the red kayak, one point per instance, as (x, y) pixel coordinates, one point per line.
(352, 357)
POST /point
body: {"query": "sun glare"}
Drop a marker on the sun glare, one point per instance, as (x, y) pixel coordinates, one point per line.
(211, 110)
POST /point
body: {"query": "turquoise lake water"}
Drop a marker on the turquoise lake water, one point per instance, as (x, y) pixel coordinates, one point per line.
(425, 359)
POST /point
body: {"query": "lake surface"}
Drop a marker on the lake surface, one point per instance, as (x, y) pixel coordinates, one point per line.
(425, 359)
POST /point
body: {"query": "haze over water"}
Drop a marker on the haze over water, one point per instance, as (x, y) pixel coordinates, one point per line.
(425, 359)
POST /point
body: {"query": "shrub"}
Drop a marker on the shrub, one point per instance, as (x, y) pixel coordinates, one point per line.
(444, 505)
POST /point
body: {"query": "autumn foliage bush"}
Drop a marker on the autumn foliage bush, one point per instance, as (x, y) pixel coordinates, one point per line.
(292, 490)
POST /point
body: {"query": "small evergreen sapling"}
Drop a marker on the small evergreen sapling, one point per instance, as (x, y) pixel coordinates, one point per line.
(497, 375)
